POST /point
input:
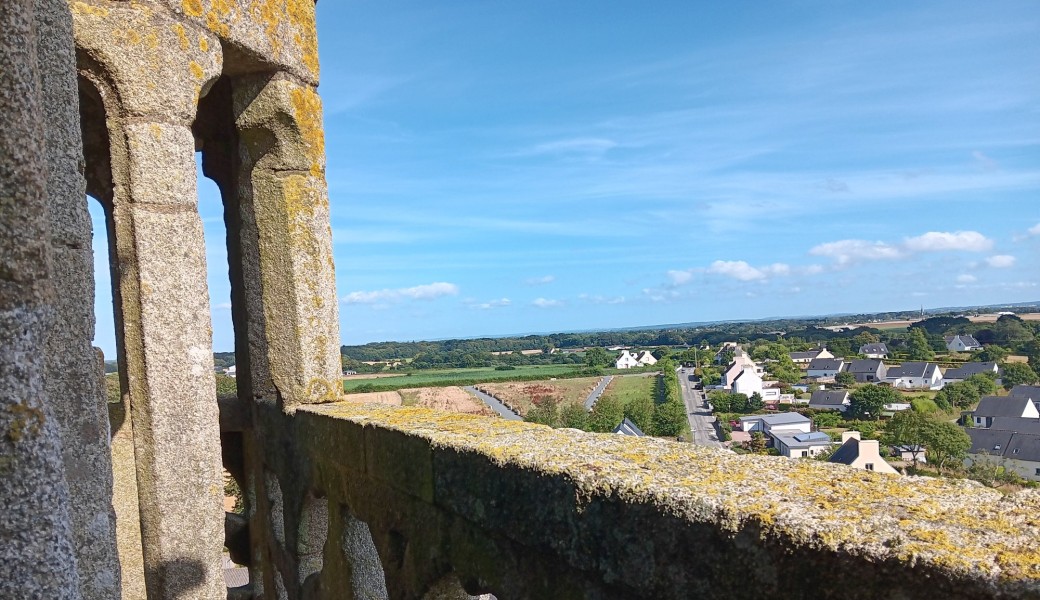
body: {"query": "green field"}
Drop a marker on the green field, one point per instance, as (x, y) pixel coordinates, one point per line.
(625, 389)
(441, 377)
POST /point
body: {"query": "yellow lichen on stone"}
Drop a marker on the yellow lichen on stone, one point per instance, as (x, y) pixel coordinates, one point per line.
(203, 44)
(192, 8)
(82, 8)
(156, 131)
(27, 420)
(307, 111)
(182, 36)
(196, 70)
(298, 14)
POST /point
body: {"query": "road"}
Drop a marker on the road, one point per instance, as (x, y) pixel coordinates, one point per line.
(702, 422)
(495, 404)
(596, 393)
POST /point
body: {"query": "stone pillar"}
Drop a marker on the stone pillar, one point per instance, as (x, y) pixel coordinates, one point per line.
(157, 69)
(72, 383)
(37, 559)
(286, 241)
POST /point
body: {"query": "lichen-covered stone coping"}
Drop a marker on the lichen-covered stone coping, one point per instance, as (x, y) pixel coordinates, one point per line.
(958, 528)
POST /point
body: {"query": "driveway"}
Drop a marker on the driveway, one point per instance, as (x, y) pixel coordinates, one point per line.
(496, 405)
(596, 393)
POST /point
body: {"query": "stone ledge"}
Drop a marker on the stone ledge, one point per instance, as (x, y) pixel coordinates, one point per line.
(862, 533)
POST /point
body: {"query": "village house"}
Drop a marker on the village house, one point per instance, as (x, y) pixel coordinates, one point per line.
(915, 376)
(830, 400)
(861, 454)
(1015, 446)
(627, 427)
(867, 370)
(802, 445)
(1003, 407)
(874, 350)
(962, 343)
(1027, 391)
(825, 367)
(804, 358)
(957, 374)
(788, 423)
(627, 360)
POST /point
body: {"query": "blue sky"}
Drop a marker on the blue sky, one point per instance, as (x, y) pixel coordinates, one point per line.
(499, 168)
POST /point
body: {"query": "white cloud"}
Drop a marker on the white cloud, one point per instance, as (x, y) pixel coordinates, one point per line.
(428, 291)
(937, 241)
(966, 278)
(680, 277)
(500, 303)
(813, 270)
(1001, 261)
(545, 279)
(847, 251)
(742, 271)
(546, 303)
(599, 299)
(1034, 230)
(221, 306)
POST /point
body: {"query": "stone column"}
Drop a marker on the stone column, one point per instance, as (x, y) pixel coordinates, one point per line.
(37, 559)
(72, 383)
(157, 69)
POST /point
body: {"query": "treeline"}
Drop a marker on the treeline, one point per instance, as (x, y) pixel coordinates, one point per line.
(664, 415)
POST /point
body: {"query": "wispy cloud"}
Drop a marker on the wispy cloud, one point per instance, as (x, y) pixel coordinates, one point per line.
(546, 303)
(966, 278)
(499, 303)
(1001, 261)
(680, 277)
(938, 241)
(580, 145)
(846, 252)
(600, 299)
(1034, 230)
(428, 291)
(543, 280)
(742, 271)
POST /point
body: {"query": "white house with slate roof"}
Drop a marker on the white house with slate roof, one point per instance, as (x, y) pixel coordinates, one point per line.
(867, 370)
(777, 424)
(1027, 391)
(825, 367)
(962, 343)
(955, 374)
(915, 376)
(861, 454)
(875, 350)
(802, 445)
(999, 407)
(830, 400)
(804, 358)
(627, 360)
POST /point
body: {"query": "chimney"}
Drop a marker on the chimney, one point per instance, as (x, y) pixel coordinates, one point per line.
(847, 435)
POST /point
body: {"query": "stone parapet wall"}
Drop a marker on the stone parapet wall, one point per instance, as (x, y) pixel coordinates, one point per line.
(525, 511)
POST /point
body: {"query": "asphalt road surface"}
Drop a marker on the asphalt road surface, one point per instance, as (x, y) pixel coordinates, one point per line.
(702, 422)
(596, 393)
(495, 404)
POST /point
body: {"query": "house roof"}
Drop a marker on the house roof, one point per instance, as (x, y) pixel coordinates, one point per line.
(826, 364)
(875, 348)
(810, 354)
(968, 369)
(988, 441)
(967, 340)
(1025, 391)
(1019, 424)
(911, 369)
(785, 418)
(829, 398)
(847, 453)
(1001, 406)
(627, 427)
(805, 440)
(1023, 446)
(865, 365)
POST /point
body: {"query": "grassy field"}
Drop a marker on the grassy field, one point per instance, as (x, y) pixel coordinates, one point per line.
(522, 396)
(625, 389)
(439, 377)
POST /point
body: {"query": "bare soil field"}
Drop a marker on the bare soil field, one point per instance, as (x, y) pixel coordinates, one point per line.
(987, 318)
(450, 399)
(521, 396)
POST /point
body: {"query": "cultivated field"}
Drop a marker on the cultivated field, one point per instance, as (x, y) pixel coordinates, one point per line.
(451, 399)
(438, 377)
(522, 396)
(987, 318)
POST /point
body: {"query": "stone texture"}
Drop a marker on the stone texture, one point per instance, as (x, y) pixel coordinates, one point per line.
(72, 380)
(36, 550)
(523, 511)
(125, 501)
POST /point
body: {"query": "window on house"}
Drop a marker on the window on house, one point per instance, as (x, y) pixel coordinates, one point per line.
(1037, 472)
(1015, 451)
(869, 466)
(996, 447)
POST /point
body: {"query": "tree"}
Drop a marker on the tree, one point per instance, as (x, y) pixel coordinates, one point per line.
(985, 383)
(845, 379)
(961, 394)
(606, 414)
(917, 345)
(575, 416)
(755, 402)
(641, 412)
(670, 419)
(598, 357)
(991, 353)
(1018, 374)
(661, 352)
(867, 401)
(710, 376)
(545, 412)
(757, 444)
(824, 420)
(944, 441)
(906, 428)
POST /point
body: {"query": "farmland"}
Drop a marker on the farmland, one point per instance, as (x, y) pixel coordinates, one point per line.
(455, 377)
(626, 389)
(449, 398)
(522, 396)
